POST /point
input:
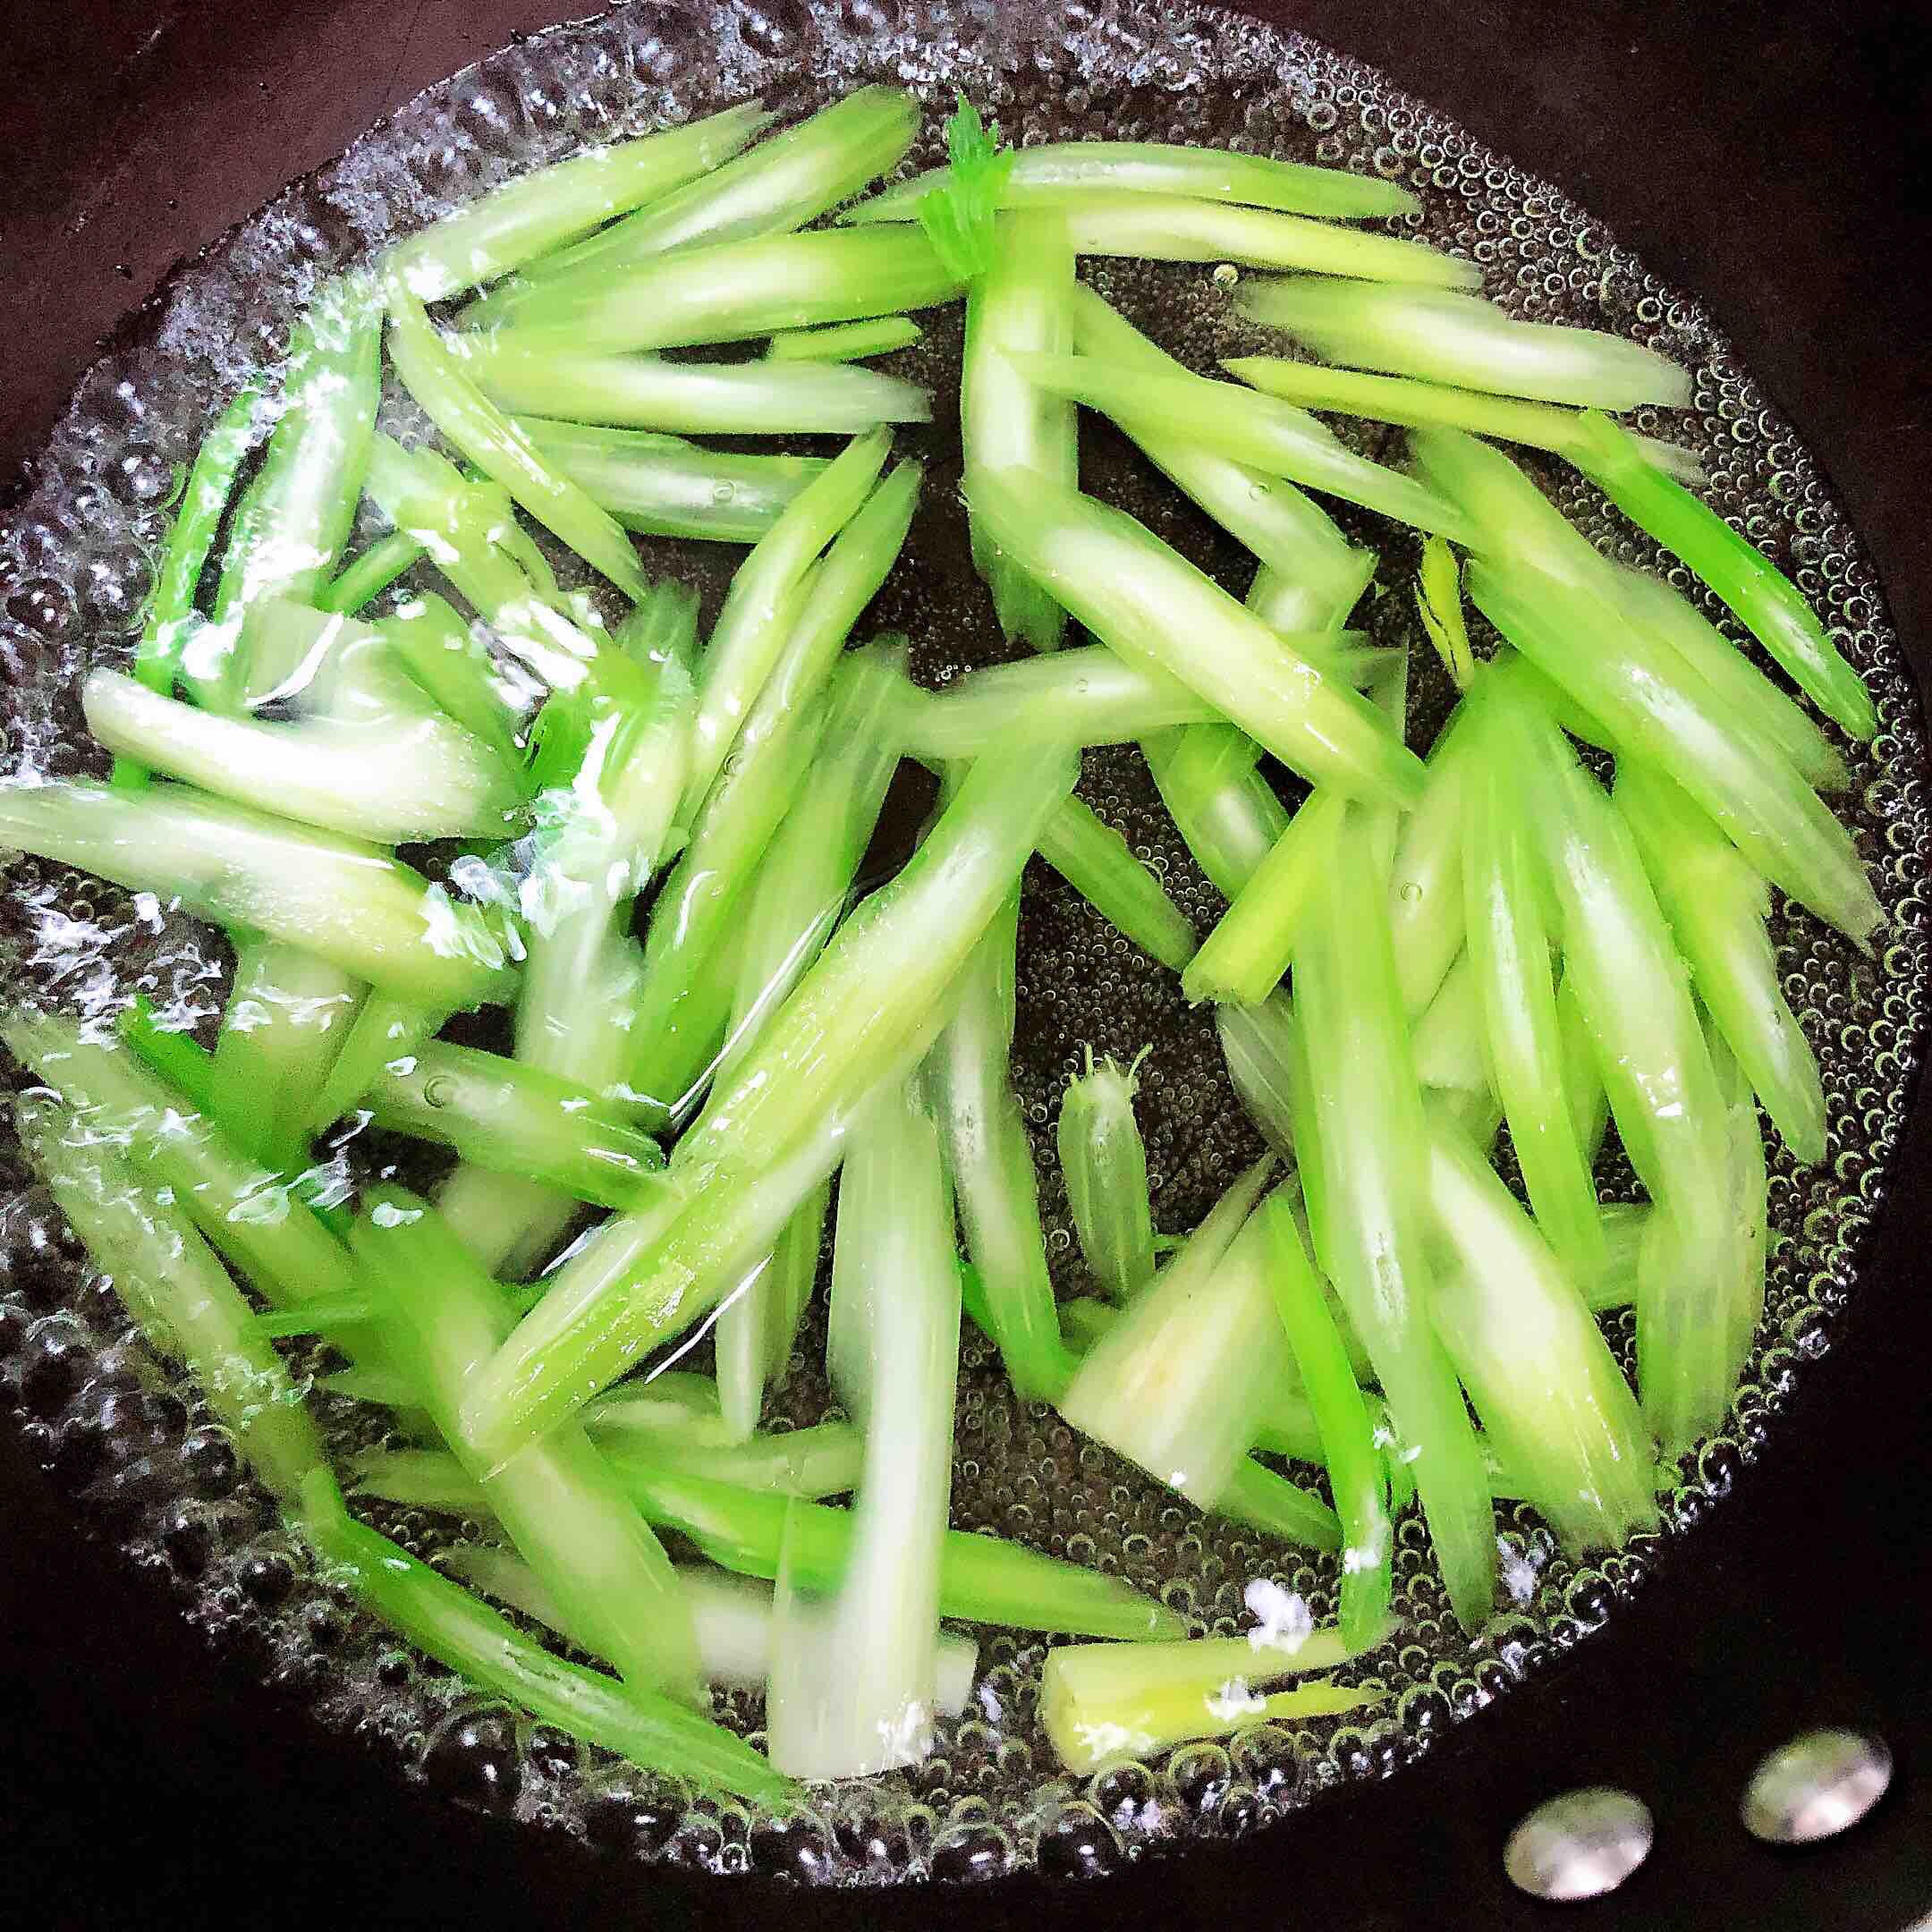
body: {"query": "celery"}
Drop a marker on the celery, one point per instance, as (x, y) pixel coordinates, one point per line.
(445, 1619)
(662, 485)
(386, 1031)
(360, 582)
(1296, 540)
(530, 217)
(1426, 909)
(1465, 341)
(1097, 861)
(1769, 604)
(1549, 1390)
(1160, 167)
(673, 1403)
(1451, 1058)
(456, 668)
(844, 341)
(1356, 1473)
(1103, 1161)
(1022, 301)
(177, 1293)
(173, 1053)
(343, 902)
(1274, 438)
(1749, 1201)
(822, 1461)
(1362, 1138)
(991, 1162)
(870, 1003)
(732, 290)
(1257, 1042)
(1400, 399)
(1099, 1702)
(1583, 1087)
(854, 1664)
(958, 214)
(781, 184)
(1226, 810)
(1149, 604)
(640, 392)
(1717, 904)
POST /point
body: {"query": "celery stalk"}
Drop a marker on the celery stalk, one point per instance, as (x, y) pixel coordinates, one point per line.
(759, 1320)
(1426, 911)
(1749, 1199)
(1103, 1161)
(1465, 341)
(844, 341)
(1257, 1043)
(361, 580)
(1583, 1087)
(455, 666)
(385, 1031)
(1451, 1058)
(1097, 861)
(1227, 813)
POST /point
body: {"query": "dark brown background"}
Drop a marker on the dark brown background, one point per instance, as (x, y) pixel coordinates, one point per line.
(1769, 158)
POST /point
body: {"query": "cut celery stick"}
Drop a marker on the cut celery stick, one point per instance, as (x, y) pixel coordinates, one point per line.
(1097, 862)
(855, 1666)
(1427, 912)
(428, 779)
(1271, 437)
(1346, 1434)
(445, 1619)
(1749, 1201)
(345, 902)
(1452, 1061)
(509, 1225)
(1264, 1501)
(1226, 812)
(1147, 602)
(1583, 1087)
(844, 342)
(1465, 341)
(662, 485)
(872, 999)
(564, 1508)
(530, 217)
(1165, 168)
(1361, 1135)
(1103, 1162)
(1295, 538)
(781, 184)
(991, 1162)
(439, 380)
(733, 1617)
(364, 579)
(750, 635)
(1257, 1042)
(675, 1403)
(1550, 1393)
(1717, 904)
(385, 1031)
(759, 1320)
(1769, 604)
(1023, 301)
(961, 217)
(1522, 1033)
(1399, 399)
(732, 290)
(456, 668)
(177, 1291)
(823, 1461)
(1635, 996)
(638, 391)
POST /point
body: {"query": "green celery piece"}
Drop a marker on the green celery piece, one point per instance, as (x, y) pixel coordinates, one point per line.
(445, 1619)
(844, 341)
(1451, 1058)
(1362, 1137)
(1102, 1702)
(438, 380)
(637, 392)
(343, 900)
(1521, 1032)
(662, 485)
(1144, 601)
(1020, 299)
(510, 1225)
(749, 636)
(1427, 910)
(855, 1663)
(1465, 341)
(991, 1161)
(515, 1119)
(1097, 862)
(1551, 1395)
(1583, 1087)
(386, 1031)
(455, 668)
(866, 1011)
(177, 1291)
(735, 291)
(367, 576)
(1274, 438)
(1749, 1204)
(1160, 167)
(1295, 538)
(1256, 1496)
(759, 1320)
(982, 1578)
(1635, 996)
(428, 779)
(322, 1317)
(1439, 604)
(675, 1403)
(781, 184)
(1717, 904)
(958, 214)
(1768, 602)
(1357, 1474)
(173, 1054)
(566, 1512)
(1103, 1161)
(1257, 1043)
(1227, 813)
(823, 1461)
(1670, 716)
(528, 219)
(1413, 403)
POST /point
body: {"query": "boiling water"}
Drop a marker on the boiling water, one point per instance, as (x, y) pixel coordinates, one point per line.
(149, 1472)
